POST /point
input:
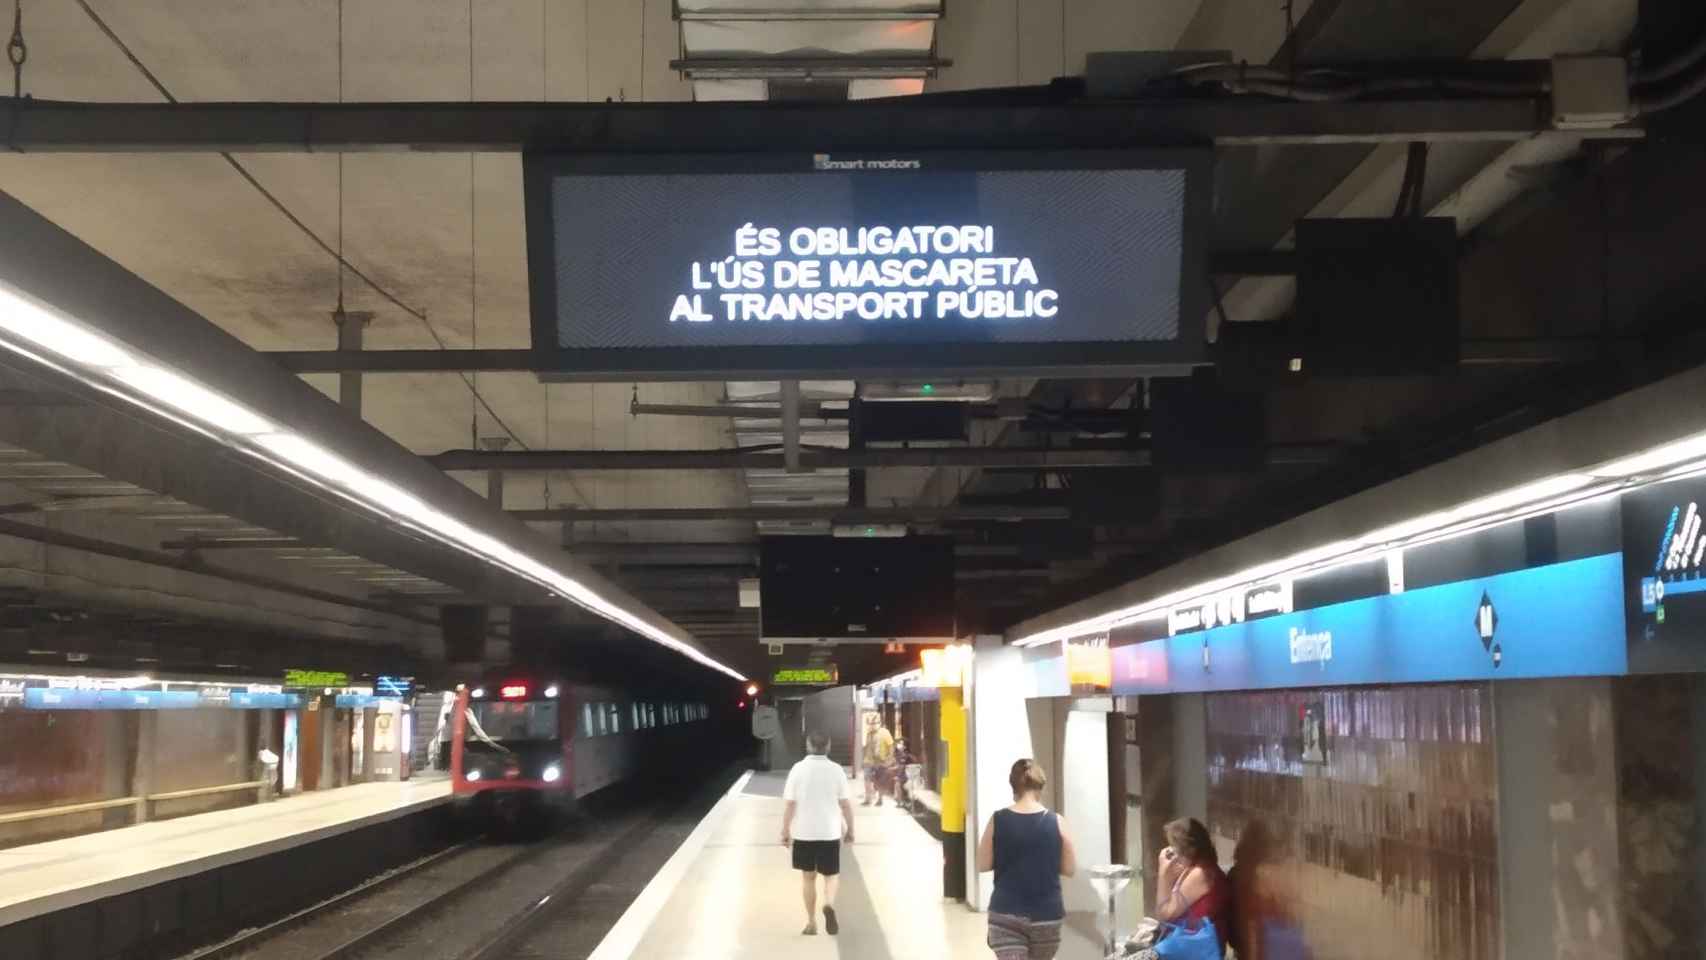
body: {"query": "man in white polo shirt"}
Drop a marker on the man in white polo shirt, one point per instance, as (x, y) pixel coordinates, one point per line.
(817, 814)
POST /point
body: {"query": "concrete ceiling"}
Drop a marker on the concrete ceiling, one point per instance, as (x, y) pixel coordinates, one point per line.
(436, 243)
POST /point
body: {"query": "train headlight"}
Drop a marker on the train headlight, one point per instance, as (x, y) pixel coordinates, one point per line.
(551, 691)
(479, 693)
(472, 776)
(553, 773)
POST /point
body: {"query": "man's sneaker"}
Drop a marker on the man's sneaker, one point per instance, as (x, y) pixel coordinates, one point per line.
(830, 925)
(810, 930)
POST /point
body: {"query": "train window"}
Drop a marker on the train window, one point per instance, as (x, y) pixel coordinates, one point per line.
(615, 714)
(601, 720)
(518, 720)
(652, 714)
(586, 720)
(634, 712)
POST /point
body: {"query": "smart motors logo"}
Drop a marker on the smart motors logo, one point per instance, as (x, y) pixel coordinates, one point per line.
(823, 161)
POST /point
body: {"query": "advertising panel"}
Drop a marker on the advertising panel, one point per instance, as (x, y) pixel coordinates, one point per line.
(287, 769)
(917, 262)
(1563, 619)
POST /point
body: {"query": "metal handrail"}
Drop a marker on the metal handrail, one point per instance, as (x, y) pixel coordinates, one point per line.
(66, 810)
(205, 791)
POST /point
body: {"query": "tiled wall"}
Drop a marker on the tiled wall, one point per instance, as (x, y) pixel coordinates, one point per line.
(1389, 848)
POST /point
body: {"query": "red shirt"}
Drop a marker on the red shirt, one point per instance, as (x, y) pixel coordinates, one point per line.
(1215, 905)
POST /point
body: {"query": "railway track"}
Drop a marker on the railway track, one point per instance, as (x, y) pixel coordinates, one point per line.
(480, 901)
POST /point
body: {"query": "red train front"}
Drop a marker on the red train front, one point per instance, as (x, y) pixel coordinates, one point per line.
(511, 752)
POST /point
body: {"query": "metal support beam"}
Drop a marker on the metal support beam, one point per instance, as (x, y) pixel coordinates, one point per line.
(803, 461)
(1527, 350)
(1027, 458)
(814, 68)
(666, 554)
(829, 512)
(791, 427)
(809, 410)
(923, 122)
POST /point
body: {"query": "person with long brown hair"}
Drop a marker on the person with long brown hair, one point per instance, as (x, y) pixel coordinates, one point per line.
(1029, 849)
(1190, 887)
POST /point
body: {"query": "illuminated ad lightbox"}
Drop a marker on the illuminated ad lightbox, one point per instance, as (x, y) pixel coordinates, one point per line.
(925, 263)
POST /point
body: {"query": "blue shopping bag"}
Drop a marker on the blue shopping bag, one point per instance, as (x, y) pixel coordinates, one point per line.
(1183, 943)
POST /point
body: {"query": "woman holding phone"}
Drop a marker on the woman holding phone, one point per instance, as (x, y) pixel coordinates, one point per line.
(1191, 887)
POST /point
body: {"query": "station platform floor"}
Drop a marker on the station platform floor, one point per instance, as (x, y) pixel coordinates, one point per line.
(730, 892)
(42, 878)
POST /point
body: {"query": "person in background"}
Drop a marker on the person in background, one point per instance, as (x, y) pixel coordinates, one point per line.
(1190, 887)
(897, 773)
(1030, 850)
(879, 752)
(817, 815)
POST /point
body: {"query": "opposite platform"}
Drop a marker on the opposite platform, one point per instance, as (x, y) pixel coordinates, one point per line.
(46, 877)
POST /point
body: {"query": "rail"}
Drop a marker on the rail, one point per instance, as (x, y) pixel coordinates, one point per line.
(205, 791)
(66, 810)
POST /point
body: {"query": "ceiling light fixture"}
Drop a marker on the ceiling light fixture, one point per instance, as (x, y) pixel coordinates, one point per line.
(43, 333)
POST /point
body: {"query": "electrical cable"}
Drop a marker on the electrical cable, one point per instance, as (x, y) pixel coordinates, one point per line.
(307, 231)
(1649, 103)
(1675, 65)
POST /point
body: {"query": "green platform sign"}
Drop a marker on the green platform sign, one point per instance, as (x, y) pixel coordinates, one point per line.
(315, 678)
(805, 677)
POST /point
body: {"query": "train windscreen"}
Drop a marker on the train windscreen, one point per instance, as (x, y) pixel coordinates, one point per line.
(518, 720)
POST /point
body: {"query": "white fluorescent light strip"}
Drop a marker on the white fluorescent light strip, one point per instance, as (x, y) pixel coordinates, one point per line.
(1665, 462)
(33, 328)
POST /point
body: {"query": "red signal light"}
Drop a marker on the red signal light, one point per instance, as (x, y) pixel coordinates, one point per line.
(514, 691)
(741, 704)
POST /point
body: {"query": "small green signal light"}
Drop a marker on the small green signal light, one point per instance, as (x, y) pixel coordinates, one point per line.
(870, 531)
(928, 389)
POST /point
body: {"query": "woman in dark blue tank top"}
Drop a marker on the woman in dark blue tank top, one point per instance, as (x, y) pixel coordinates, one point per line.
(1028, 848)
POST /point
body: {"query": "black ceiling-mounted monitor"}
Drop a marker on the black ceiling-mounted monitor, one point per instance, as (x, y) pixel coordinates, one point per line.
(931, 263)
(873, 589)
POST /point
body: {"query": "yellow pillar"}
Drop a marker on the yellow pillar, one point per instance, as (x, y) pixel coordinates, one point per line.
(953, 726)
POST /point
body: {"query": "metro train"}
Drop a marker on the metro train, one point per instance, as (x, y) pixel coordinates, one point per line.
(523, 746)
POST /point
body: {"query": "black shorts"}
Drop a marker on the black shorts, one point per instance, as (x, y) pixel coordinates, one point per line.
(818, 856)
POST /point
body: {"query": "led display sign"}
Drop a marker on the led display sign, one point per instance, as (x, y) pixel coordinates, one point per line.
(805, 676)
(990, 261)
(315, 678)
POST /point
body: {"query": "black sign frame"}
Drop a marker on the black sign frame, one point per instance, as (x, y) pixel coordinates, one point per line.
(868, 360)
